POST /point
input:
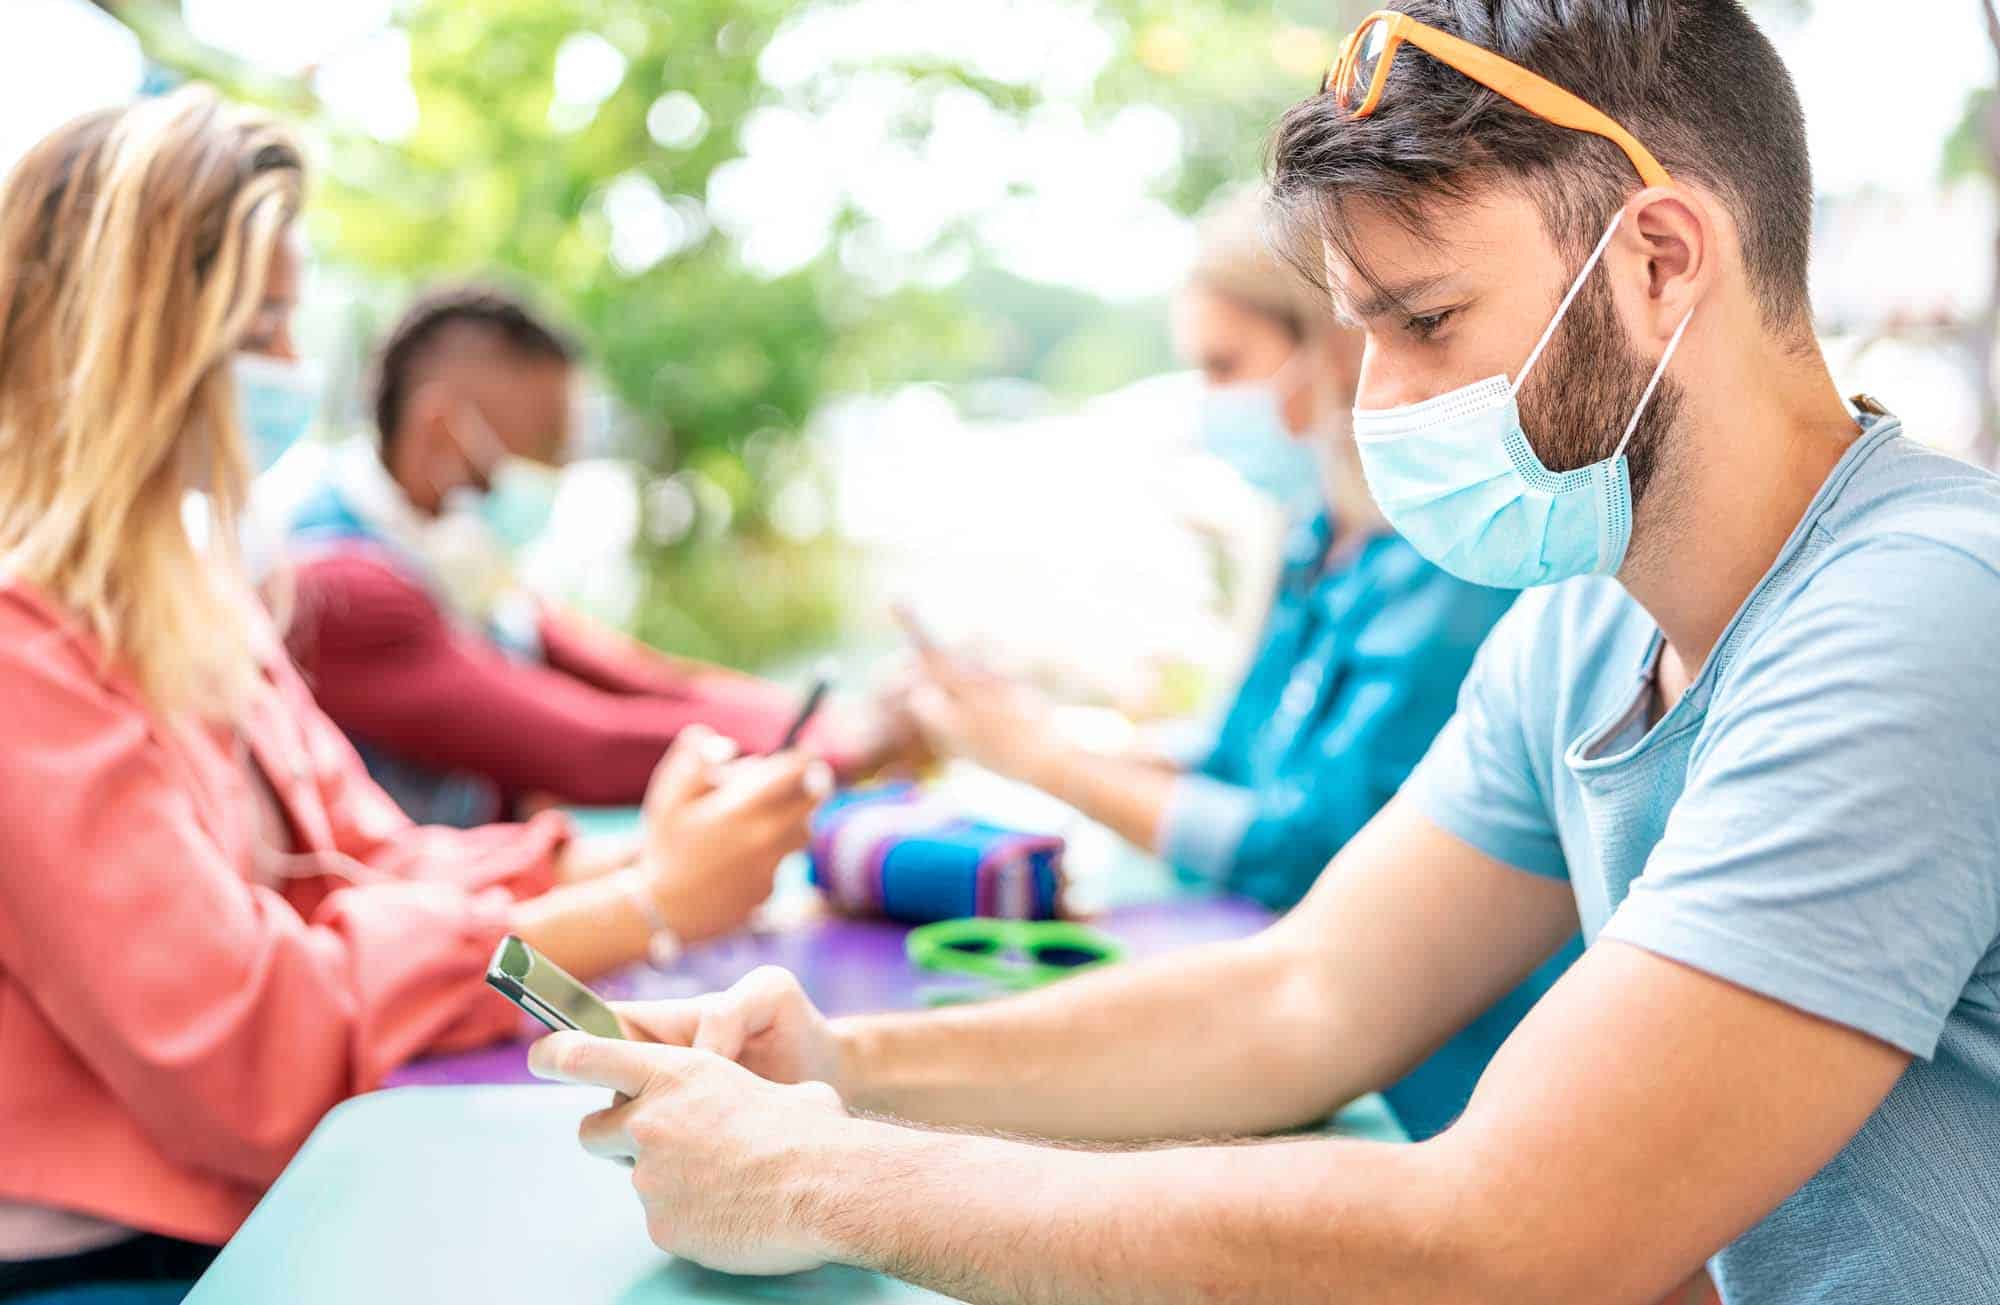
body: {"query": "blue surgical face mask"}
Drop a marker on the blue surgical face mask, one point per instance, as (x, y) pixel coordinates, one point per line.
(520, 501)
(520, 494)
(276, 402)
(1458, 478)
(1243, 426)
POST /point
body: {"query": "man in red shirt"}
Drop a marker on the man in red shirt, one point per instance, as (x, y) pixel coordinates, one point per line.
(465, 695)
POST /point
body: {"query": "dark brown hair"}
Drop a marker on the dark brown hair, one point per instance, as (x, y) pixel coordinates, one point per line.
(410, 342)
(1694, 80)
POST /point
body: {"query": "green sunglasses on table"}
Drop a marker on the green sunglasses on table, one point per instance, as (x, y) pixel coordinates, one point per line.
(1015, 954)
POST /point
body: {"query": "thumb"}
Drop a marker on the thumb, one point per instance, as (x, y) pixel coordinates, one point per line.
(723, 1026)
(936, 714)
(686, 772)
(731, 1019)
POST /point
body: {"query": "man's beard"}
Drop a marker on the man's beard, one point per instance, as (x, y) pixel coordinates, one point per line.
(1585, 389)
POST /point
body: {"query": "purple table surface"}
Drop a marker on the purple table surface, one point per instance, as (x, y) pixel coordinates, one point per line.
(849, 967)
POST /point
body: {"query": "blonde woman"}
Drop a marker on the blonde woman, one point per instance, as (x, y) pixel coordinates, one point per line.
(213, 927)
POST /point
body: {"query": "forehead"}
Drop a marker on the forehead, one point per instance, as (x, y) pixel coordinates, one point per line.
(527, 402)
(1383, 262)
(1205, 321)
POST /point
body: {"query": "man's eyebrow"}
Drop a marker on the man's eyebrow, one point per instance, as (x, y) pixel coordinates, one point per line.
(1386, 297)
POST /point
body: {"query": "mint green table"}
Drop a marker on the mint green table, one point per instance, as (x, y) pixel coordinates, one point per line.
(481, 1195)
(476, 1194)
(475, 1190)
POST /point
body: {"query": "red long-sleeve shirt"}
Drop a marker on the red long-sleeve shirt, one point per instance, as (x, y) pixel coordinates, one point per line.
(586, 726)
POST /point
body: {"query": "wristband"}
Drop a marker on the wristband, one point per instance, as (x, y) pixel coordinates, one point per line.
(663, 945)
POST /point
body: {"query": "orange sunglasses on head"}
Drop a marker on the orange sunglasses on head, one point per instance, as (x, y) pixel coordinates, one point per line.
(1362, 69)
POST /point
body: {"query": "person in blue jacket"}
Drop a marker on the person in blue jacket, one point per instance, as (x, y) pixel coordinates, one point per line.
(1357, 668)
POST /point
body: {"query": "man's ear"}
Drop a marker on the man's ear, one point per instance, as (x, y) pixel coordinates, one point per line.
(1665, 259)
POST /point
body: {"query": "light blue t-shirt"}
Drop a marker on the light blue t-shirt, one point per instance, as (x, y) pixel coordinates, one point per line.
(1817, 820)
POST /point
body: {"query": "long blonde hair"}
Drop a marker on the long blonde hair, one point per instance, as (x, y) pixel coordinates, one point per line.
(134, 248)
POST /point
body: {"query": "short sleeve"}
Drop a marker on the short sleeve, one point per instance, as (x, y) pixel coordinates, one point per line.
(1837, 846)
(1481, 779)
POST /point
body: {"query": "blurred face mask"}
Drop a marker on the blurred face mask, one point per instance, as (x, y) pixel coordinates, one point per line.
(276, 403)
(1457, 476)
(1244, 426)
(519, 502)
(520, 494)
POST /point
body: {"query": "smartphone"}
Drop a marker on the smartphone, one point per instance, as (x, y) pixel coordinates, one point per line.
(814, 698)
(545, 990)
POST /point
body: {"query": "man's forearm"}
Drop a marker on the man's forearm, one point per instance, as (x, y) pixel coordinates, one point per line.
(1228, 1039)
(988, 1220)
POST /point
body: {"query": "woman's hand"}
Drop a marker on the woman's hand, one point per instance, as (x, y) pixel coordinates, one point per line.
(716, 829)
(974, 713)
(880, 735)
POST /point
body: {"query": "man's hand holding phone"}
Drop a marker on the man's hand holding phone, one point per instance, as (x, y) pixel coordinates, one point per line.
(765, 1023)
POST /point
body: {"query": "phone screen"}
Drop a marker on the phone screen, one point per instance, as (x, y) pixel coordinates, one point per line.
(545, 990)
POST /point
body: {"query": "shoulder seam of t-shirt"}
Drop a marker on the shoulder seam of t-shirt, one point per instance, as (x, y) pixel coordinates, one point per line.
(1905, 537)
(1840, 548)
(1837, 515)
(1484, 839)
(1657, 923)
(1814, 535)
(1750, 625)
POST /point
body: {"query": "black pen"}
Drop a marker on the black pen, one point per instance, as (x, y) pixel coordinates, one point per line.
(813, 699)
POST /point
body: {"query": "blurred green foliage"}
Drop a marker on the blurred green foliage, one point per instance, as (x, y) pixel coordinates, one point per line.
(502, 178)
(715, 599)
(496, 178)
(1226, 69)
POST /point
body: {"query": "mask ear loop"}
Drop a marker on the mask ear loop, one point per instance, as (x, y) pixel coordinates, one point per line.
(1646, 396)
(492, 451)
(1549, 332)
(483, 462)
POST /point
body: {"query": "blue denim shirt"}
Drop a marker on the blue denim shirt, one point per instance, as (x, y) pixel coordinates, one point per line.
(1359, 668)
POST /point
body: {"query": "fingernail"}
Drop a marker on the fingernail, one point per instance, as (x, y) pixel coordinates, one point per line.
(716, 749)
(542, 1056)
(819, 780)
